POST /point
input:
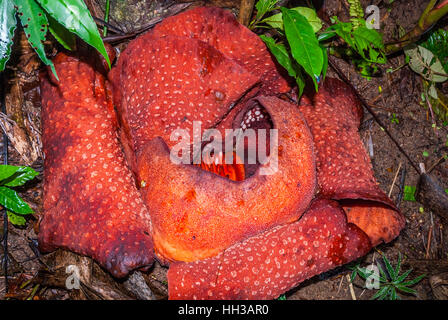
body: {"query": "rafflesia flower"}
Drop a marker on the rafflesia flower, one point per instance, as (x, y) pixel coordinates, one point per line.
(226, 230)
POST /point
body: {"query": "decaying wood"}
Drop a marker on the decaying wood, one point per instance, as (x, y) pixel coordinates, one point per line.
(439, 286)
(93, 286)
(246, 9)
(21, 122)
(432, 195)
(137, 285)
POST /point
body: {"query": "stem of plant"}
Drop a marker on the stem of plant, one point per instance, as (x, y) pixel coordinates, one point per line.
(106, 17)
(427, 20)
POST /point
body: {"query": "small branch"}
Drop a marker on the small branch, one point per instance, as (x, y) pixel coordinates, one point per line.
(108, 25)
(395, 179)
(401, 187)
(246, 8)
(436, 163)
(350, 285)
(428, 245)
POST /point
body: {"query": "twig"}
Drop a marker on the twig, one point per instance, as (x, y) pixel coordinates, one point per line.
(401, 187)
(246, 8)
(340, 284)
(395, 179)
(108, 25)
(428, 244)
(350, 285)
(366, 105)
(436, 163)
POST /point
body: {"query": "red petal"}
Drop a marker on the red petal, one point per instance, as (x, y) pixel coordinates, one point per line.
(219, 28)
(167, 83)
(343, 167)
(269, 264)
(197, 214)
(378, 221)
(91, 204)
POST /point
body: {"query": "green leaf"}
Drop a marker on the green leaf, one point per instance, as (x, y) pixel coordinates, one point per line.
(425, 63)
(369, 44)
(281, 54)
(364, 273)
(35, 26)
(61, 34)
(401, 278)
(326, 35)
(11, 201)
(342, 29)
(7, 171)
(356, 10)
(437, 43)
(353, 275)
(7, 28)
(381, 293)
(286, 61)
(325, 66)
(383, 276)
(389, 268)
(263, 7)
(303, 42)
(409, 193)
(75, 16)
(20, 177)
(300, 80)
(406, 289)
(16, 219)
(393, 294)
(276, 20)
(413, 282)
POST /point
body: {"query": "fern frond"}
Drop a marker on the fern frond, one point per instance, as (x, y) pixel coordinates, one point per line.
(356, 12)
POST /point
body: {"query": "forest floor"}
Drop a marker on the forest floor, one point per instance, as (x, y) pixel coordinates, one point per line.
(394, 96)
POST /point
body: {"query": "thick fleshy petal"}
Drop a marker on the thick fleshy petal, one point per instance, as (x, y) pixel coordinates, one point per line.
(164, 84)
(271, 263)
(344, 169)
(91, 204)
(197, 214)
(220, 29)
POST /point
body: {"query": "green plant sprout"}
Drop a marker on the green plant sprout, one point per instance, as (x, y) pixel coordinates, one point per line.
(63, 18)
(391, 282)
(394, 119)
(409, 193)
(11, 177)
(302, 47)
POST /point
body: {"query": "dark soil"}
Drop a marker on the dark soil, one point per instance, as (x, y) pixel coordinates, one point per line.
(389, 93)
